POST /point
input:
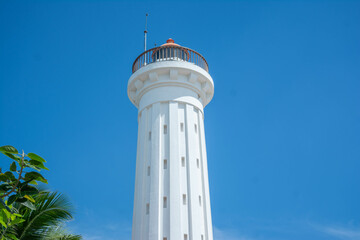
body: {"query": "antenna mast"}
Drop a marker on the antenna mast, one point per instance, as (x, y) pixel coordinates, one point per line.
(145, 32)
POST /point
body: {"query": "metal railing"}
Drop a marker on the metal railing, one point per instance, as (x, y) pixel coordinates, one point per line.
(169, 53)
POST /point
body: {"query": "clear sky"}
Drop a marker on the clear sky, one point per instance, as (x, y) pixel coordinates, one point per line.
(282, 131)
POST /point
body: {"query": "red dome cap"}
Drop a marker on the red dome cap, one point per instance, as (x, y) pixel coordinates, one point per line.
(170, 42)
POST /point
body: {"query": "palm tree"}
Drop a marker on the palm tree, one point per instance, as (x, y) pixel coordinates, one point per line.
(52, 210)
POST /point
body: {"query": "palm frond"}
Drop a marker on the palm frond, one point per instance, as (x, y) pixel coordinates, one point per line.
(52, 209)
(60, 233)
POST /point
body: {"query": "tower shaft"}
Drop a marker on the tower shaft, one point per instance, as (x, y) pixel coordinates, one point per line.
(172, 191)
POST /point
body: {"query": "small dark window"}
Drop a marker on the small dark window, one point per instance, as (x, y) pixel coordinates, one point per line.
(148, 171)
(150, 135)
(165, 163)
(165, 202)
(182, 127)
(147, 208)
(165, 129)
(183, 161)
(184, 199)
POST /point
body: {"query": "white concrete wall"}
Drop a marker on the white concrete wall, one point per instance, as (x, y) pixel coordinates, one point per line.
(171, 95)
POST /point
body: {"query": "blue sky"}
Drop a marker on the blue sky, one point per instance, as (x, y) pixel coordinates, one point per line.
(282, 131)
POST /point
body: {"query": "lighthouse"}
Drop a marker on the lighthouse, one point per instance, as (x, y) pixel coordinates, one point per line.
(170, 85)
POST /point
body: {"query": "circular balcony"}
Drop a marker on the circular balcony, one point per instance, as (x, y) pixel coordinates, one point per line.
(169, 52)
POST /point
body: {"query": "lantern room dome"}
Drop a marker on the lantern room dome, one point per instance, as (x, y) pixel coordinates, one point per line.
(170, 42)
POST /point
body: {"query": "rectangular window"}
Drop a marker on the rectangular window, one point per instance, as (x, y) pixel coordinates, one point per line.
(150, 135)
(195, 127)
(148, 171)
(199, 200)
(164, 238)
(165, 202)
(202, 237)
(147, 208)
(184, 199)
(165, 129)
(182, 127)
(165, 163)
(183, 161)
(197, 162)
(185, 237)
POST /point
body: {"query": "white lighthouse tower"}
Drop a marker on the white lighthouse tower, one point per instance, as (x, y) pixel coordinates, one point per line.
(170, 86)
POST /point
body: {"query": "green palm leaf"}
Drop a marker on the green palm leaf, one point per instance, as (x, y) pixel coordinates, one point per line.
(60, 233)
(51, 210)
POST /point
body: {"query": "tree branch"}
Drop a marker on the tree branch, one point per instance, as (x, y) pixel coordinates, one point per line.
(19, 178)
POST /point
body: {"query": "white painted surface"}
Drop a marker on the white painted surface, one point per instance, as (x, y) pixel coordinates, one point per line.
(171, 93)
